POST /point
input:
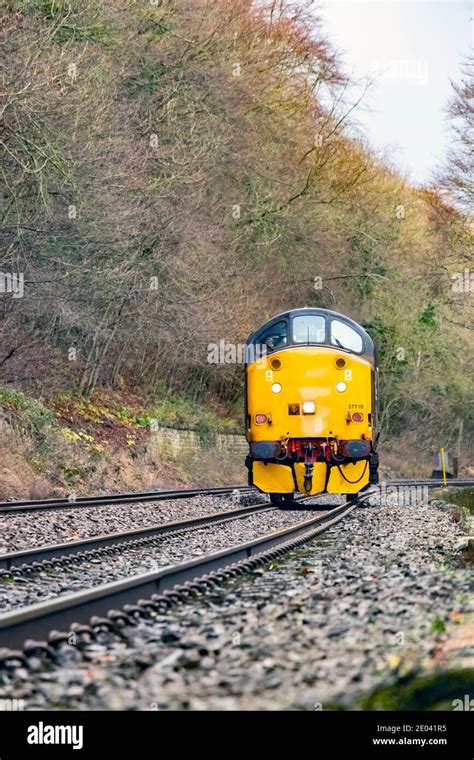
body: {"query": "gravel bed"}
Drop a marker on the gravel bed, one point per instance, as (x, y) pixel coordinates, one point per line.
(29, 529)
(348, 612)
(191, 543)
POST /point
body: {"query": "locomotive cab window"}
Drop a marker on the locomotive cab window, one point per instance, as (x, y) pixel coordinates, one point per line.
(309, 328)
(274, 337)
(346, 337)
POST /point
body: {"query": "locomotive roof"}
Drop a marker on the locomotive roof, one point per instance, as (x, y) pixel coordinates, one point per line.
(368, 343)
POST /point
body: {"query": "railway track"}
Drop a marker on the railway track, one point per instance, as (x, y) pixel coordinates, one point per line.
(28, 560)
(185, 493)
(42, 571)
(35, 505)
(40, 557)
(51, 555)
(116, 603)
(48, 555)
(430, 483)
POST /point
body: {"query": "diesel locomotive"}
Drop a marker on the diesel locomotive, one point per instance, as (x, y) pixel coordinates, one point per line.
(311, 405)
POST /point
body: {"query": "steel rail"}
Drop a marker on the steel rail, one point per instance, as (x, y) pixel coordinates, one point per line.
(49, 555)
(58, 551)
(41, 554)
(185, 493)
(123, 498)
(431, 483)
(36, 621)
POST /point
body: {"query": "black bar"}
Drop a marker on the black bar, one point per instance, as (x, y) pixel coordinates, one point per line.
(342, 734)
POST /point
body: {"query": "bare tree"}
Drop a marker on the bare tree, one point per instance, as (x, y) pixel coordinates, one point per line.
(457, 178)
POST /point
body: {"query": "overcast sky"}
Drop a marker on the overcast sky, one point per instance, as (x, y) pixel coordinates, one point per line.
(412, 48)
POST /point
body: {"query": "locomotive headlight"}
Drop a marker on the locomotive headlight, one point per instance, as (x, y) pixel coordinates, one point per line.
(309, 407)
(276, 387)
(341, 387)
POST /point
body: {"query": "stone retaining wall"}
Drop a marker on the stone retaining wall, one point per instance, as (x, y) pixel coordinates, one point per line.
(175, 442)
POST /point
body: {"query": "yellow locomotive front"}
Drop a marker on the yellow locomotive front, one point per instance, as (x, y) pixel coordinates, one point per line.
(311, 405)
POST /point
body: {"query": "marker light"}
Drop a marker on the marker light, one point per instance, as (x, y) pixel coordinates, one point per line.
(276, 387)
(357, 417)
(260, 418)
(309, 407)
(341, 387)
